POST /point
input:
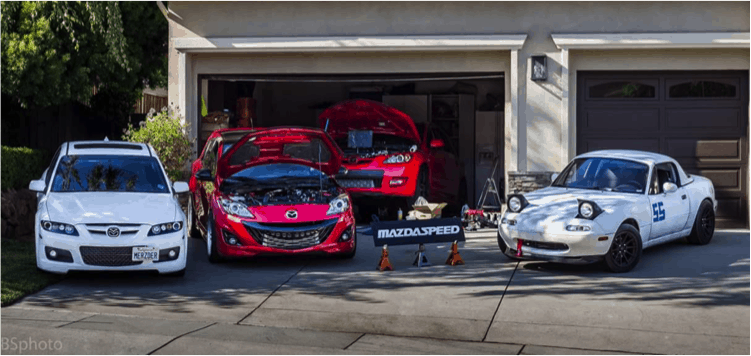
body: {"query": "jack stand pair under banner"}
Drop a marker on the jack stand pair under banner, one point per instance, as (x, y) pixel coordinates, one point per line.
(422, 259)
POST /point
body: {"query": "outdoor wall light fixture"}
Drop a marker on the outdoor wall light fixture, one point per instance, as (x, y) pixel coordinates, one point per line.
(539, 68)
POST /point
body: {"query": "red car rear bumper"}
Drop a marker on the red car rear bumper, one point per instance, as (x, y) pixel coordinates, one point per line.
(388, 180)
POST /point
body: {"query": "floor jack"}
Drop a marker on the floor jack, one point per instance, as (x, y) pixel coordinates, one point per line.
(485, 215)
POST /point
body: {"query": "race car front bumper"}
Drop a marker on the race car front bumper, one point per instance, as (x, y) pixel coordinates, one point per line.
(557, 245)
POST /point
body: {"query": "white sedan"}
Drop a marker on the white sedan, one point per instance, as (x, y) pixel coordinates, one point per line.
(609, 205)
(106, 205)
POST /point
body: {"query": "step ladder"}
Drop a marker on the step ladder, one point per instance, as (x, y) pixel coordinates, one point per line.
(490, 190)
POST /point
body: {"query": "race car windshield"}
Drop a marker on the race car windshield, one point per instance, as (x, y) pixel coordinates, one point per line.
(275, 175)
(606, 174)
(94, 173)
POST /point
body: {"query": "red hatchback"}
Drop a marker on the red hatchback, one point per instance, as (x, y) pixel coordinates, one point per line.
(273, 192)
(387, 156)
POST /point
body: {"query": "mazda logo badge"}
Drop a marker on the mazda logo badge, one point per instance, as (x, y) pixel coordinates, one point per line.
(291, 214)
(113, 232)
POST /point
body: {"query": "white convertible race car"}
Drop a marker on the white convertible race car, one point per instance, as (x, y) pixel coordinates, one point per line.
(609, 205)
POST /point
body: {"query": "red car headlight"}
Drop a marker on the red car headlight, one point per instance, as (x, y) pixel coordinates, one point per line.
(235, 208)
(398, 158)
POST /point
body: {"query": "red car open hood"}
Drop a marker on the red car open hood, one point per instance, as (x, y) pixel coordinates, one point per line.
(368, 115)
(281, 145)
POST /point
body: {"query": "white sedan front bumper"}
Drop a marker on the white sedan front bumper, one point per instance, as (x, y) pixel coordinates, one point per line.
(103, 253)
(555, 243)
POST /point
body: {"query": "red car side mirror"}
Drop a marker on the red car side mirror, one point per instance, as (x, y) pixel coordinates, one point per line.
(436, 143)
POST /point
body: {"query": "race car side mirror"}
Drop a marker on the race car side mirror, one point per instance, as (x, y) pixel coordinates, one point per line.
(37, 185)
(436, 143)
(669, 187)
(204, 175)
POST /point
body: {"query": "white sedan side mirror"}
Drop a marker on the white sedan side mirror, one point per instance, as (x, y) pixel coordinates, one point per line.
(669, 187)
(37, 186)
(180, 187)
(553, 177)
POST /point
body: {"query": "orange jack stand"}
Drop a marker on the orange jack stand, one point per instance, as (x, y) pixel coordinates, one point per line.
(384, 264)
(454, 258)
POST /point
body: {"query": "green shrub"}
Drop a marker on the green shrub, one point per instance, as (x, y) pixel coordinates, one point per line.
(20, 165)
(169, 136)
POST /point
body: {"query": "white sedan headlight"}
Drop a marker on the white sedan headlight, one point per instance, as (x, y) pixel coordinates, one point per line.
(338, 205)
(235, 208)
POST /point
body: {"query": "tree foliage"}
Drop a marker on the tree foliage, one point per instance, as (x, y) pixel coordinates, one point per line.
(57, 52)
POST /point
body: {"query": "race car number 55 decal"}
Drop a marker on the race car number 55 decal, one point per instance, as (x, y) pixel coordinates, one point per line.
(658, 212)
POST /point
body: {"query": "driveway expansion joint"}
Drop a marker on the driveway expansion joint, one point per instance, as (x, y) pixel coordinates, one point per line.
(272, 293)
(501, 301)
(179, 336)
(354, 342)
(75, 321)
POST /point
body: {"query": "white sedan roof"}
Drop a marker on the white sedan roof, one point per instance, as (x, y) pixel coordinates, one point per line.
(120, 148)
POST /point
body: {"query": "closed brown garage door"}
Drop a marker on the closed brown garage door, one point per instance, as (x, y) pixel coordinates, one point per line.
(698, 118)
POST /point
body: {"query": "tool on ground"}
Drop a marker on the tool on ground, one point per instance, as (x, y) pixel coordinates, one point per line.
(385, 264)
(454, 258)
(422, 259)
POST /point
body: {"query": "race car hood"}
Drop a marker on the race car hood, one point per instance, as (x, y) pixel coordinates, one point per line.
(281, 145)
(554, 206)
(368, 115)
(109, 208)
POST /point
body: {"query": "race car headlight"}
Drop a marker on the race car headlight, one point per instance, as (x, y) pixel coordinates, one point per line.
(165, 228)
(338, 205)
(235, 208)
(60, 228)
(588, 210)
(400, 158)
(516, 203)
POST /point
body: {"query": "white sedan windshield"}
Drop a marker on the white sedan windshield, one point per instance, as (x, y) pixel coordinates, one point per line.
(604, 174)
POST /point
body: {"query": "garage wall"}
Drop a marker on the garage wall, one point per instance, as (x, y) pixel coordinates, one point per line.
(539, 104)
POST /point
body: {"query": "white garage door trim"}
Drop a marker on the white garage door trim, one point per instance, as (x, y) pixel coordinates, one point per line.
(652, 40)
(343, 44)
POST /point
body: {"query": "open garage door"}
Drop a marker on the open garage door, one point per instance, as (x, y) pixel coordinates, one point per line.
(698, 118)
(453, 102)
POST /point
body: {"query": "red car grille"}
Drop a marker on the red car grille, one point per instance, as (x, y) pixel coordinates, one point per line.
(291, 236)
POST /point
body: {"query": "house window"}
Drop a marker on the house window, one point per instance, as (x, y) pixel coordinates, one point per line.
(702, 89)
(622, 89)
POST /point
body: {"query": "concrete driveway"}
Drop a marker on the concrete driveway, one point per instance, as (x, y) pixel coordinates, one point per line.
(681, 299)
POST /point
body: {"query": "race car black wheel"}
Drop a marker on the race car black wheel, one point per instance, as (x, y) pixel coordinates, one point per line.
(211, 242)
(192, 230)
(704, 225)
(625, 251)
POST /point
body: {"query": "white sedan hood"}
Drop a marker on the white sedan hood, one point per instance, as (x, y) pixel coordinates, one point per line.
(554, 207)
(108, 208)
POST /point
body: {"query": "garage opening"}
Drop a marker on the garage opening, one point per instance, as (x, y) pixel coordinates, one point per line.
(700, 118)
(467, 107)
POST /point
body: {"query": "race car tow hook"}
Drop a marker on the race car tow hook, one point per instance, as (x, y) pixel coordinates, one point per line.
(519, 244)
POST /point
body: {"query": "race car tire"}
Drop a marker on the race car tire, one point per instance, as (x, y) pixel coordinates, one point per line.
(625, 250)
(192, 229)
(211, 242)
(704, 225)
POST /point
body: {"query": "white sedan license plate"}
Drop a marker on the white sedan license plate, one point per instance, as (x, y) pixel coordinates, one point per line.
(145, 254)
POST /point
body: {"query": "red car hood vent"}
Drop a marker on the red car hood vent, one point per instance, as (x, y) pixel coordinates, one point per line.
(368, 115)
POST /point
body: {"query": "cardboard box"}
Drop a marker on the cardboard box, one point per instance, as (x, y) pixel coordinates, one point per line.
(424, 210)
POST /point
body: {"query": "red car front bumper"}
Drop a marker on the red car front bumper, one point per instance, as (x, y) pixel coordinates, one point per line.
(301, 237)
